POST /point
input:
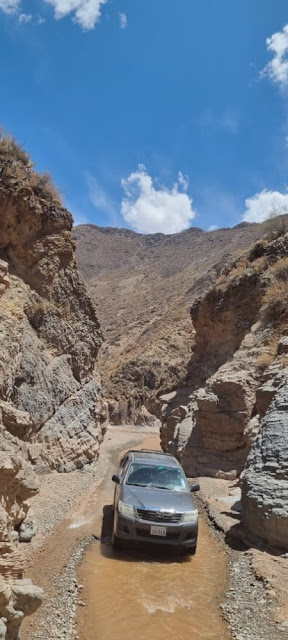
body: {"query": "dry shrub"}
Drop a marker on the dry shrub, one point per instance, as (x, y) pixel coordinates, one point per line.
(280, 269)
(19, 166)
(276, 301)
(43, 186)
(11, 150)
(264, 360)
(275, 226)
(233, 271)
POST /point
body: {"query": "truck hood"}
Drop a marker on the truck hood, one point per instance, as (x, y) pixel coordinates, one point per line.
(157, 499)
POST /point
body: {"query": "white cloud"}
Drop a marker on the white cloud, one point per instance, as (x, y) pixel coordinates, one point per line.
(264, 205)
(86, 12)
(25, 17)
(183, 181)
(123, 20)
(151, 210)
(213, 227)
(9, 6)
(277, 68)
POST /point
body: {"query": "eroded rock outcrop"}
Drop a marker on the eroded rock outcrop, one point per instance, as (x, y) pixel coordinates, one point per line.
(50, 334)
(18, 596)
(240, 332)
(223, 378)
(52, 412)
(265, 479)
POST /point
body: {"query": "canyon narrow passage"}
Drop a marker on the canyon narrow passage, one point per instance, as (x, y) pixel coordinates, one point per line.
(150, 594)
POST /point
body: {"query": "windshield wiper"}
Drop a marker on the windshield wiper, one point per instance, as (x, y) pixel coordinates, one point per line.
(135, 484)
(158, 486)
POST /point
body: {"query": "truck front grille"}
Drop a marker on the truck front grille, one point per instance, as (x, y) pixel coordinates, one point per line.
(162, 517)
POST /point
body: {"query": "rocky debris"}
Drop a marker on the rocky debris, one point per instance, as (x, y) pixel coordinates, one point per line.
(265, 479)
(257, 577)
(4, 277)
(283, 345)
(28, 527)
(248, 608)
(18, 423)
(58, 619)
(18, 597)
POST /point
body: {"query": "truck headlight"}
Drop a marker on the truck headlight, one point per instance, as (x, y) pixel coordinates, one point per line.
(125, 509)
(191, 516)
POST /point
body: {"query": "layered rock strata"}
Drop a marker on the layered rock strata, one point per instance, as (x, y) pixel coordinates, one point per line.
(50, 334)
(265, 479)
(52, 413)
(222, 380)
(238, 324)
(232, 412)
(18, 596)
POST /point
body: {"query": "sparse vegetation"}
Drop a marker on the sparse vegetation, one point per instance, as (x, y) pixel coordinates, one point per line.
(10, 149)
(276, 301)
(43, 186)
(275, 226)
(280, 269)
(16, 163)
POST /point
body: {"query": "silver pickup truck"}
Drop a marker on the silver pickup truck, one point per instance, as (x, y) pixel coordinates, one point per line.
(153, 502)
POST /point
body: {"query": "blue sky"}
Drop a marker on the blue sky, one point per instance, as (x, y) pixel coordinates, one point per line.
(152, 114)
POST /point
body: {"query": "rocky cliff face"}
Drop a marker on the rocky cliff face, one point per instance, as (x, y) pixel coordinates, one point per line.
(265, 479)
(18, 596)
(143, 287)
(52, 413)
(238, 366)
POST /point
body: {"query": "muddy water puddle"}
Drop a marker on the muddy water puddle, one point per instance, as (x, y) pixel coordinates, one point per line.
(151, 595)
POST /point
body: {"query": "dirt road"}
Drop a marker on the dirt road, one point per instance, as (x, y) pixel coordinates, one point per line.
(97, 597)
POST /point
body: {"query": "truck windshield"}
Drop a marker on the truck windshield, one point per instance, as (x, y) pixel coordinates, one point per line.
(159, 477)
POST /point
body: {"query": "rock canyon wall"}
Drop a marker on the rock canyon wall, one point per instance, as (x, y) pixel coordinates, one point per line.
(52, 413)
(234, 394)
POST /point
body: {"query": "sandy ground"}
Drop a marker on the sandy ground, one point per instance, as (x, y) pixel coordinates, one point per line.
(68, 515)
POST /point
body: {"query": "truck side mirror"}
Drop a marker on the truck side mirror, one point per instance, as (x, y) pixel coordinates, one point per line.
(195, 487)
(116, 479)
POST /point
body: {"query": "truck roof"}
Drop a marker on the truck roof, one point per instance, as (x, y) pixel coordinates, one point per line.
(151, 456)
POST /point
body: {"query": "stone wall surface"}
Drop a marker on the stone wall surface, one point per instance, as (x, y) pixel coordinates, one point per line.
(265, 479)
(230, 418)
(222, 377)
(52, 412)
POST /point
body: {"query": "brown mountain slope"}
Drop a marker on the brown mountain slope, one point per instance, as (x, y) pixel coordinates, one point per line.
(143, 286)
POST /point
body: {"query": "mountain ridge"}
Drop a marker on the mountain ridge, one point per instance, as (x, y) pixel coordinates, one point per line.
(143, 286)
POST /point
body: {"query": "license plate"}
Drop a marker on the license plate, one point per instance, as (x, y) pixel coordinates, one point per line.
(158, 531)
